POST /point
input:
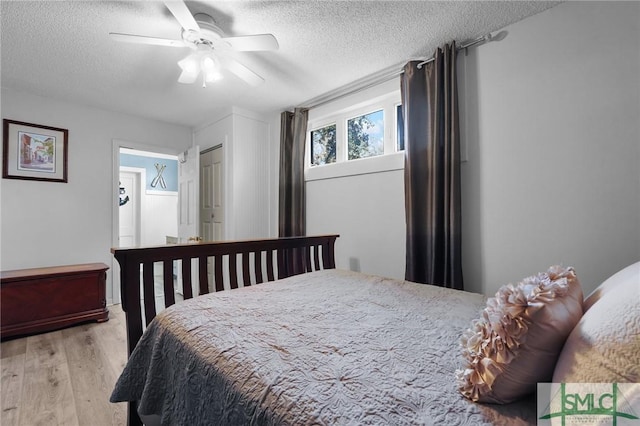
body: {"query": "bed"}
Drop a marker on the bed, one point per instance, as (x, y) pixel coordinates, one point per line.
(318, 346)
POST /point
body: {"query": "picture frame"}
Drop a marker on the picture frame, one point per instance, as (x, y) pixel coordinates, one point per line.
(34, 152)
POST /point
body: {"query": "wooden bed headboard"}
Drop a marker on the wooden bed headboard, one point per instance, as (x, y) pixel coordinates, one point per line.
(259, 261)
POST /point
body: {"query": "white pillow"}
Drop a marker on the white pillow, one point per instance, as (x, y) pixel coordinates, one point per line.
(631, 272)
(604, 347)
(516, 342)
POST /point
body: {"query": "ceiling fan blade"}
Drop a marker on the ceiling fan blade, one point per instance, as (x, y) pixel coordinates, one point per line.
(131, 38)
(242, 71)
(253, 42)
(182, 14)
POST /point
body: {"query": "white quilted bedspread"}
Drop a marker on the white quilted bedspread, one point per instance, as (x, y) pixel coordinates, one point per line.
(327, 348)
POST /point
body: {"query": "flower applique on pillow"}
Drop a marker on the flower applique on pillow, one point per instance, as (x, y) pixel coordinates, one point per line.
(515, 343)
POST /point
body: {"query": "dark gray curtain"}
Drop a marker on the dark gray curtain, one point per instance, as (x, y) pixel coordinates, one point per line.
(293, 131)
(432, 170)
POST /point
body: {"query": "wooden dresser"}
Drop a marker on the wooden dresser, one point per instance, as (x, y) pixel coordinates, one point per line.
(44, 299)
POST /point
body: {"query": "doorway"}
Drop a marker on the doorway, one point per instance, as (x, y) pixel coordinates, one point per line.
(156, 195)
(212, 201)
(150, 214)
(212, 194)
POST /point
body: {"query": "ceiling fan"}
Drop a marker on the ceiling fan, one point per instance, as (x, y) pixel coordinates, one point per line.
(210, 47)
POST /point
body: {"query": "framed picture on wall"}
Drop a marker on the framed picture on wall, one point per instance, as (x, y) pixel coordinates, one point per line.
(34, 152)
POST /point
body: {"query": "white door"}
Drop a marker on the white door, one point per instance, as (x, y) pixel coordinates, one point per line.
(188, 170)
(211, 195)
(188, 191)
(211, 200)
(129, 210)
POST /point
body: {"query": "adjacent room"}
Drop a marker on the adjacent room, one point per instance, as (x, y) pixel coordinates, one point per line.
(417, 177)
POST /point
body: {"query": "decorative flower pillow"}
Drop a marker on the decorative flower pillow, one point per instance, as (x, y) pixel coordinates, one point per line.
(516, 342)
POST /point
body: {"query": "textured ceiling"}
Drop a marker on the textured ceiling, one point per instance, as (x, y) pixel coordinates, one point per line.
(62, 49)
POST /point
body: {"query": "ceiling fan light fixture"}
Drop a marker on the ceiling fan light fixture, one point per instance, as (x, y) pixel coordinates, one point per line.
(211, 68)
(189, 64)
(187, 78)
(190, 69)
(214, 76)
(208, 63)
(200, 61)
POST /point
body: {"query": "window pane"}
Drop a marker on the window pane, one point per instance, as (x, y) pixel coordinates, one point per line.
(400, 128)
(323, 145)
(365, 137)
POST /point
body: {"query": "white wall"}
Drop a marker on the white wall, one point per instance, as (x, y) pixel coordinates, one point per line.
(552, 126)
(249, 196)
(368, 212)
(251, 171)
(274, 176)
(550, 117)
(48, 224)
(216, 132)
(160, 218)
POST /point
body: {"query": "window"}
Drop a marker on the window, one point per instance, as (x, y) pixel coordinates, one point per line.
(365, 130)
(365, 135)
(355, 134)
(399, 128)
(323, 145)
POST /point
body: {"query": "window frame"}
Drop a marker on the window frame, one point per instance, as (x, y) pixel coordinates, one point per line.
(309, 145)
(396, 126)
(384, 132)
(339, 114)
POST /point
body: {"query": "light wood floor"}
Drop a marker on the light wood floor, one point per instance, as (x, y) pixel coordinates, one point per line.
(65, 377)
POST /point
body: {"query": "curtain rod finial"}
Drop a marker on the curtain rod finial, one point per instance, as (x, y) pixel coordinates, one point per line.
(499, 36)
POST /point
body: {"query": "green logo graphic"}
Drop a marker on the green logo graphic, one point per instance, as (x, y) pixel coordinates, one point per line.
(596, 403)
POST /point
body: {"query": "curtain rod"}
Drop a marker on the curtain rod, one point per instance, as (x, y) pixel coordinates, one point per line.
(464, 45)
(389, 73)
